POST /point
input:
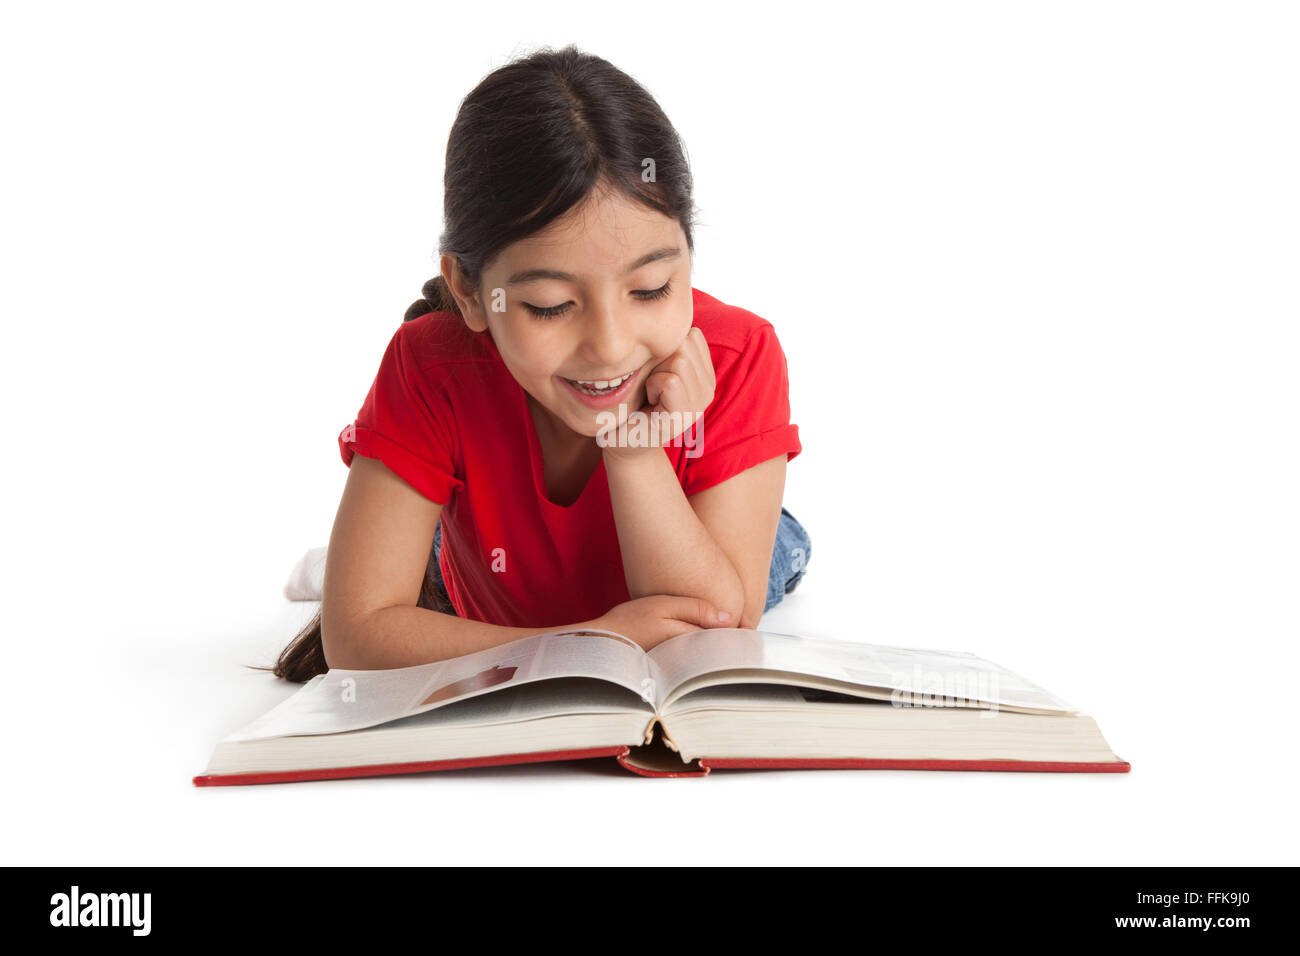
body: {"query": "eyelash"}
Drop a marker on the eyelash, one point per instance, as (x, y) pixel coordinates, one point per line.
(555, 311)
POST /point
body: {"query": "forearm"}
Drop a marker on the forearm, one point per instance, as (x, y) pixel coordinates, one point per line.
(405, 635)
(666, 549)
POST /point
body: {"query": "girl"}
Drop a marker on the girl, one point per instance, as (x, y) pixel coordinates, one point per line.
(507, 423)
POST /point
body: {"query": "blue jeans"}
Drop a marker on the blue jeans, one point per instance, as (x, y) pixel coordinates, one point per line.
(789, 559)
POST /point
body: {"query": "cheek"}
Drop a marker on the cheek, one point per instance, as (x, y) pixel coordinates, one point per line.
(533, 377)
(667, 335)
(532, 357)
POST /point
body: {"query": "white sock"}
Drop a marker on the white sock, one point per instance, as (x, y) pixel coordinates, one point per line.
(307, 580)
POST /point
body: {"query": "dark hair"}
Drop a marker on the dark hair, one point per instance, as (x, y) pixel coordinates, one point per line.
(534, 139)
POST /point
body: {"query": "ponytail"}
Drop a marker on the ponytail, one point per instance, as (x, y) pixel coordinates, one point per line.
(436, 297)
(304, 657)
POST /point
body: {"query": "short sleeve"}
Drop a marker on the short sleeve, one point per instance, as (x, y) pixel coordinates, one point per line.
(406, 423)
(748, 421)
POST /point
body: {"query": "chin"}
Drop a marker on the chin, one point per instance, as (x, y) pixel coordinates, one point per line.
(590, 425)
(589, 422)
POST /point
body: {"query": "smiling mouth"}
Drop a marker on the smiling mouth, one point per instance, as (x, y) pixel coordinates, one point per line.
(600, 386)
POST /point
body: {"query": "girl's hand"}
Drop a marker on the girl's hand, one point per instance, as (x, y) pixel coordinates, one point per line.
(653, 619)
(677, 391)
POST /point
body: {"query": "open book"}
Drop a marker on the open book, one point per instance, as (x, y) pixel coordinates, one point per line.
(722, 697)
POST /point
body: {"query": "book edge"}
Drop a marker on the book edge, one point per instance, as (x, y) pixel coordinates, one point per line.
(391, 769)
(1119, 765)
(623, 753)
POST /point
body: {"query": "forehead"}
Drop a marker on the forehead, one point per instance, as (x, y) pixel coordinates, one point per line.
(604, 233)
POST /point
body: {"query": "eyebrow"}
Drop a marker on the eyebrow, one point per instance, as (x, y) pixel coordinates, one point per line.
(532, 275)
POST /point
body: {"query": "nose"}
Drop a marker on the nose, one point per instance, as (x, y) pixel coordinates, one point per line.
(608, 338)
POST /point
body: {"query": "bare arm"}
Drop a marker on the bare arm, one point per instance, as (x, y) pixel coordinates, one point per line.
(666, 548)
(742, 514)
(376, 560)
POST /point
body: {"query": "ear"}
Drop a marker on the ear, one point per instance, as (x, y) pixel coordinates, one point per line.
(467, 299)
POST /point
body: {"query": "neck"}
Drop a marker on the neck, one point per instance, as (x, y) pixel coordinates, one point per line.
(554, 432)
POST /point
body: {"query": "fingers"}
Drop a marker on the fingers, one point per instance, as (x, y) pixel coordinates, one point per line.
(685, 381)
(703, 360)
(663, 390)
(697, 611)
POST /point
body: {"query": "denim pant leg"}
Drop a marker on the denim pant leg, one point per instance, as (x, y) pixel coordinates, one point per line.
(789, 559)
(434, 571)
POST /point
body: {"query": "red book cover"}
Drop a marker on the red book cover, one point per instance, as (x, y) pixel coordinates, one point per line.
(653, 762)
(387, 769)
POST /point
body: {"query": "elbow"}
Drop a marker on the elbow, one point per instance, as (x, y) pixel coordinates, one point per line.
(715, 602)
(745, 607)
(336, 650)
(339, 643)
(736, 604)
(752, 611)
(736, 610)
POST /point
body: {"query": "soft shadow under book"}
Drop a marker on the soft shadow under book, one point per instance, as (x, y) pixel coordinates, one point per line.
(710, 699)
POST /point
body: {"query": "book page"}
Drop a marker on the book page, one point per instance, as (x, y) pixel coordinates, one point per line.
(341, 700)
(558, 696)
(921, 677)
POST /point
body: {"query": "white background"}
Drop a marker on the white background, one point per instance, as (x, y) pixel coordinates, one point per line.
(1034, 267)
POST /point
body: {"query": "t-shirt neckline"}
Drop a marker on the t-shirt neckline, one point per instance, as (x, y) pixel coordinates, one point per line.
(535, 463)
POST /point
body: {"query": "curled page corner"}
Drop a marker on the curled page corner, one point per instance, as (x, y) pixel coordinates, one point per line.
(595, 632)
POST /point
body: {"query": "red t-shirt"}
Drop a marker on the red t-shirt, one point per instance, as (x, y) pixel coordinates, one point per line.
(445, 414)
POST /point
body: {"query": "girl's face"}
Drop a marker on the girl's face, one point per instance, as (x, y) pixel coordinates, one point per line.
(602, 293)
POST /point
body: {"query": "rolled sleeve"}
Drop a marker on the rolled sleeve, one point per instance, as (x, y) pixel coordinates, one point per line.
(748, 421)
(405, 423)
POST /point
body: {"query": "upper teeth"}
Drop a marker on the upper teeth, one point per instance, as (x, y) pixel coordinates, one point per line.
(602, 383)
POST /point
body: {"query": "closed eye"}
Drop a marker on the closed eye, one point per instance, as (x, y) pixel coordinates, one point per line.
(645, 295)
